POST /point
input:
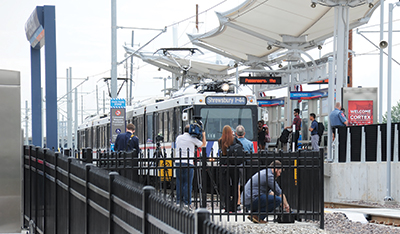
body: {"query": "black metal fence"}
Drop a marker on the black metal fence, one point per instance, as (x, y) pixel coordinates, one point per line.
(63, 195)
(216, 179)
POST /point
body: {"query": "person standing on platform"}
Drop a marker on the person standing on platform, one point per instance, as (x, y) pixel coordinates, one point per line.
(127, 141)
(314, 132)
(297, 122)
(186, 148)
(227, 144)
(337, 118)
(247, 146)
(261, 135)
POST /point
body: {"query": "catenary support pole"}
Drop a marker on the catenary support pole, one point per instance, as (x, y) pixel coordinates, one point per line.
(69, 109)
(131, 73)
(380, 91)
(330, 106)
(114, 83)
(389, 106)
(76, 120)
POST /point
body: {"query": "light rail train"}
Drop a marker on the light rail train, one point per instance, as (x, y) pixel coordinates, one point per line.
(166, 117)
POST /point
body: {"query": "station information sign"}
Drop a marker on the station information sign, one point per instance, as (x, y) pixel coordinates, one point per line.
(117, 110)
(260, 80)
(225, 100)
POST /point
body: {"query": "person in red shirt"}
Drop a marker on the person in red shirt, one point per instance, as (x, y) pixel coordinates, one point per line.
(297, 122)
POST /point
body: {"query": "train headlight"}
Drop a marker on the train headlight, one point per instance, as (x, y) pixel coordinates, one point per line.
(225, 87)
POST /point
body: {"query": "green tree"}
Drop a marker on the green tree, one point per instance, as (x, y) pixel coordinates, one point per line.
(395, 114)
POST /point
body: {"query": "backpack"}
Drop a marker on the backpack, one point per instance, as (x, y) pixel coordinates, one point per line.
(284, 138)
(321, 129)
(236, 149)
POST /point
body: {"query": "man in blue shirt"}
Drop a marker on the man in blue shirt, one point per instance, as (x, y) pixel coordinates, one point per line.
(127, 141)
(337, 118)
(247, 145)
(314, 132)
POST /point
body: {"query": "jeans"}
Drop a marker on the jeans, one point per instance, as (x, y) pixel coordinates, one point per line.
(184, 178)
(263, 204)
(314, 142)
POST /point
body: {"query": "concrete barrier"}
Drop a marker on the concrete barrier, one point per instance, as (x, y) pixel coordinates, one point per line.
(356, 181)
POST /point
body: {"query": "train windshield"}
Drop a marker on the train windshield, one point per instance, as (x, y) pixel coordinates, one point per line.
(215, 119)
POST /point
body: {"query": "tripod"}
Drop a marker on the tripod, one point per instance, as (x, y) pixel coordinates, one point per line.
(200, 182)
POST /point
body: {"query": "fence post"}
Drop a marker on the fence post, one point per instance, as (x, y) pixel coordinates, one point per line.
(110, 201)
(204, 177)
(44, 188)
(363, 144)
(348, 146)
(87, 166)
(147, 190)
(321, 187)
(200, 216)
(69, 195)
(56, 155)
(379, 146)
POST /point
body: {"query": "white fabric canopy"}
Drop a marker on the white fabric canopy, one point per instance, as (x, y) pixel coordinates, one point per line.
(246, 31)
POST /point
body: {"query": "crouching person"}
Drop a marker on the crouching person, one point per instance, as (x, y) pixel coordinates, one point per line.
(262, 193)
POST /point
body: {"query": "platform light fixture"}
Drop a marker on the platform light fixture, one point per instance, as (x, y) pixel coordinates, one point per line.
(320, 47)
(225, 87)
(280, 65)
(269, 47)
(313, 5)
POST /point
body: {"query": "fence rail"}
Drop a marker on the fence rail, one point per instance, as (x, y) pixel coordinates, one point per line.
(215, 179)
(63, 195)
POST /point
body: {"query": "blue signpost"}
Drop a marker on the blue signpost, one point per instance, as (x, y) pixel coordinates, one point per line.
(40, 29)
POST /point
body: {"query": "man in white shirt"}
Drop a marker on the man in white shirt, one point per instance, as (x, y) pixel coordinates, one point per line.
(186, 148)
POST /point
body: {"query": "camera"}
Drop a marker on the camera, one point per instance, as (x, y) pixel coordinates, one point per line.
(159, 138)
(196, 128)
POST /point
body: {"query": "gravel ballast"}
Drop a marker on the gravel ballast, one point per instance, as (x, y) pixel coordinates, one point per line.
(334, 223)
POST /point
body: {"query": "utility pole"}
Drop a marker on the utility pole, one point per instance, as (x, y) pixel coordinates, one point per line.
(114, 83)
(350, 62)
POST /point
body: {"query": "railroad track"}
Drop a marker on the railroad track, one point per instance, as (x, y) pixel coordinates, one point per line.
(372, 217)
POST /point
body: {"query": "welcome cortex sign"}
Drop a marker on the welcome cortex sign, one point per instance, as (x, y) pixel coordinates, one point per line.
(360, 112)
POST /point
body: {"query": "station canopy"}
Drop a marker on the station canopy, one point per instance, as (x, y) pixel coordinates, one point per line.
(246, 32)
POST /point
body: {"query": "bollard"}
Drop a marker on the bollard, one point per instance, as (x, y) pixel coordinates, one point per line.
(200, 216)
(147, 191)
(110, 201)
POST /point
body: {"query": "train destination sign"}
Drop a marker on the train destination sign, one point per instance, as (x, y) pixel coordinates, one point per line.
(260, 80)
(224, 100)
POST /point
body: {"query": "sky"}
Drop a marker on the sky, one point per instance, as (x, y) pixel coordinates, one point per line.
(84, 43)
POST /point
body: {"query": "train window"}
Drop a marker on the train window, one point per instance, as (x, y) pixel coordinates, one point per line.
(149, 129)
(166, 126)
(217, 118)
(160, 122)
(171, 126)
(140, 129)
(108, 136)
(178, 122)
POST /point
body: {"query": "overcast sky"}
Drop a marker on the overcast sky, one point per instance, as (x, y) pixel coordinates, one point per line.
(84, 42)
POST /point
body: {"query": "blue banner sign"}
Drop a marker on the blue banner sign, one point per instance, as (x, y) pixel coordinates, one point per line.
(223, 100)
(270, 102)
(304, 95)
(117, 103)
